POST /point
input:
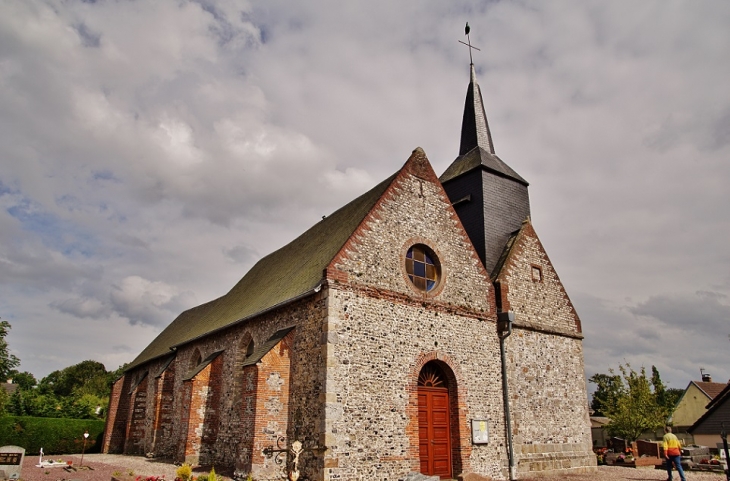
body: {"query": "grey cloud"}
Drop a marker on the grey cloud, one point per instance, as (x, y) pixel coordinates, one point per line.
(88, 37)
(186, 139)
(710, 310)
(242, 254)
(146, 302)
(82, 307)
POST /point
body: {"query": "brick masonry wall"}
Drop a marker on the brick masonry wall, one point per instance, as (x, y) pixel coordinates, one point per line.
(548, 400)
(198, 390)
(271, 411)
(135, 442)
(248, 419)
(164, 416)
(204, 419)
(227, 426)
(116, 420)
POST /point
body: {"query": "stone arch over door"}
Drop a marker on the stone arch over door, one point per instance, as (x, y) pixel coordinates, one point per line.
(452, 405)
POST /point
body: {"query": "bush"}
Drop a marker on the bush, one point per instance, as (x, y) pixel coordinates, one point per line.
(54, 435)
(184, 472)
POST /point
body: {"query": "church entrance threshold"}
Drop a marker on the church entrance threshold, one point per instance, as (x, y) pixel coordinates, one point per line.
(434, 431)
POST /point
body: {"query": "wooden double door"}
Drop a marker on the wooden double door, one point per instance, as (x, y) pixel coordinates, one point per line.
(434, 431)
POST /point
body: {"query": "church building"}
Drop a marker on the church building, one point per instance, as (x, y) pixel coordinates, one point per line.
(421, 328)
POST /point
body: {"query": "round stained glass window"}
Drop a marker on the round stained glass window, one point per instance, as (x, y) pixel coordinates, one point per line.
(422, 267)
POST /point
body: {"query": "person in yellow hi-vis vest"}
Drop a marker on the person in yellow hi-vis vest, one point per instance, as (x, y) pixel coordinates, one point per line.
(673, 453)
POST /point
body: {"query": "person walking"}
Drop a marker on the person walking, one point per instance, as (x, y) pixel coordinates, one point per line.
(673, 453)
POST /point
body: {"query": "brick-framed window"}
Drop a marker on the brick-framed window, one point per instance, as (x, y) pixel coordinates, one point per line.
(536, 272)
(423, 267)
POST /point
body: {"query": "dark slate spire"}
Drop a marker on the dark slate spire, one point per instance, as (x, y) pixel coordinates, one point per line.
(474, 126)
(490, 198)
(476, 147)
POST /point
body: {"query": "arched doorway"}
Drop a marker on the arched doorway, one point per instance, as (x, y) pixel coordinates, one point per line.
(434, 426)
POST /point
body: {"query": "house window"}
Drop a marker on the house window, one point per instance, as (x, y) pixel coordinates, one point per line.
(423, 267)
(536, 273)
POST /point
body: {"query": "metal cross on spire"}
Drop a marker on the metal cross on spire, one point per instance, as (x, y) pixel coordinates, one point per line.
(466, 32)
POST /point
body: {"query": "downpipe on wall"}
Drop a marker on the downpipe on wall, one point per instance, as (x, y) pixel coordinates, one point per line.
(504, 329)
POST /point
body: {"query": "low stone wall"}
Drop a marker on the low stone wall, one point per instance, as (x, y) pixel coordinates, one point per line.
(547, 458)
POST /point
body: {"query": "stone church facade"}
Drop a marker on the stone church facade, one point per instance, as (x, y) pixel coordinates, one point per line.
(373, 340)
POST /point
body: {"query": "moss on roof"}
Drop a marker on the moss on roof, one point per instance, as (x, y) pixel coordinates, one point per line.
(292, 271)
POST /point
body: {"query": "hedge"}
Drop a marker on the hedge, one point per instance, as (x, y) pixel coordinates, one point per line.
(54, 435)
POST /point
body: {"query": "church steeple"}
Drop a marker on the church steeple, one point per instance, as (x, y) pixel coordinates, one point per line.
(474, 125)
(490, 198)
(476, 139)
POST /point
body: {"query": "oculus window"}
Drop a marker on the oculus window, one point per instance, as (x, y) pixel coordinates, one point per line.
(423, 267)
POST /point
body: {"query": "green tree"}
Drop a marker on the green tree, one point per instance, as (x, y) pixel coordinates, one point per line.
(80, 391)
(634, 406)
(24, 380)
(671, 397)
(4, 402)
(608, 388)
(8, 362)
(86, 377)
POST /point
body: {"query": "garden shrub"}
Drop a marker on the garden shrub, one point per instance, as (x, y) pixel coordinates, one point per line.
(184, 472)
(54, 435)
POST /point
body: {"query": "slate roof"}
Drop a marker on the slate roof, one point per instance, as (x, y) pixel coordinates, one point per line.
(138, 382)
(262, 350)
(289, 273)
(203, 364)
(474, 125)
(476, 148)
(478, 157)
(505, 254)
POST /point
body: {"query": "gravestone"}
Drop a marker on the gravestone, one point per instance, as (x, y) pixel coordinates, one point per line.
(11, 461)
(648, 448)
(618, 445)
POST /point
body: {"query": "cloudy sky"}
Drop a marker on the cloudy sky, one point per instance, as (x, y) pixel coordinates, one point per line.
(151, 152)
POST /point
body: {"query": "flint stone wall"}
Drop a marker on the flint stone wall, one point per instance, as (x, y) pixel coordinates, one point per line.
(548, 399)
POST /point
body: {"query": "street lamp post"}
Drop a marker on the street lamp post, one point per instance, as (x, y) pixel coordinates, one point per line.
(86, 436)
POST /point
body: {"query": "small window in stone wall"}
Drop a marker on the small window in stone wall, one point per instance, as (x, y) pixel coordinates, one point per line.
(423, 267)
(250, 348)
(536, 273)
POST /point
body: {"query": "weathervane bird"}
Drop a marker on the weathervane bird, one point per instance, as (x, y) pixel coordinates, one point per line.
(466, 32)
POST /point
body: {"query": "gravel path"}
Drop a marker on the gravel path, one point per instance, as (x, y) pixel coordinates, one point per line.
(128, 468)
(618, 473)
(102, 468)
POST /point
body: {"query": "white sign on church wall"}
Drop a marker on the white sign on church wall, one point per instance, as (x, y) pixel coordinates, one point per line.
(479, 431)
